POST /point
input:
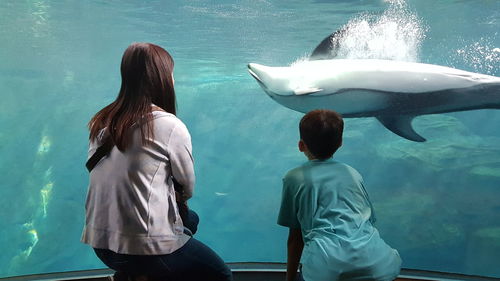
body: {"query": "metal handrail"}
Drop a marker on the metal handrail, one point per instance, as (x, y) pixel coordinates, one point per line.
(258, 269)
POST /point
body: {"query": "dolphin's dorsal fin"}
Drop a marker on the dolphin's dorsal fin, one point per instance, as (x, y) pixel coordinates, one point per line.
(401, 126)
(328, 48)
(306, 91)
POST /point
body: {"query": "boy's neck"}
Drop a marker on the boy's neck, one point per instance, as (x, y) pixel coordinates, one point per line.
(309, 155)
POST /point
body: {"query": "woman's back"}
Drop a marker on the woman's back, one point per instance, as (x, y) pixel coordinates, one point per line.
(131, 200)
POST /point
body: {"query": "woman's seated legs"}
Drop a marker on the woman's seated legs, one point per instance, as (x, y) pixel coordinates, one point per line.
(193, 262)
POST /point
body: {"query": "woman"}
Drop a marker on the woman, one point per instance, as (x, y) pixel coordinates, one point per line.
(132, 219)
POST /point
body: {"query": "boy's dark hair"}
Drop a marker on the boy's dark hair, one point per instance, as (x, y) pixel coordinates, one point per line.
(321, 130)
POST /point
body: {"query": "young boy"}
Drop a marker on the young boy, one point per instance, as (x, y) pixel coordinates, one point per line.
(327, 209)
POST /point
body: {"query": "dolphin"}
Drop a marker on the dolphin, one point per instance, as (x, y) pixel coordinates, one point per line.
(394, 92)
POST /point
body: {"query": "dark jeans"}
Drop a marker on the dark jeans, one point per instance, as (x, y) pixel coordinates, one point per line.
(191, 222)
(192, 262)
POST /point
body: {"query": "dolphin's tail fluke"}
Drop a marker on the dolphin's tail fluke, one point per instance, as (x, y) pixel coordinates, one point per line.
(401, 126)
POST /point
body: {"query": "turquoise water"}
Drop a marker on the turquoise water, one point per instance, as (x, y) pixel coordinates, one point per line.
(436, 202)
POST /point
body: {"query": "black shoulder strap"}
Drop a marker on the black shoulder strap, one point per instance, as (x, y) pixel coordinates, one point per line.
(101, 151)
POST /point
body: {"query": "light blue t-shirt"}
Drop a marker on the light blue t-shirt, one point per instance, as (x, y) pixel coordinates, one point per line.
(326, 199)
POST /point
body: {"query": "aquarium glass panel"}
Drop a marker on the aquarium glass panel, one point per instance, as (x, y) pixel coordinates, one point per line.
(437, 201)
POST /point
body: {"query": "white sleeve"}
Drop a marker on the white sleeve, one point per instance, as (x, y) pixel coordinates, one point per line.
(181, 159)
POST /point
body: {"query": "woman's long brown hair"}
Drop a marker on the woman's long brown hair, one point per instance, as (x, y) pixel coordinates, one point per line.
(146, 71)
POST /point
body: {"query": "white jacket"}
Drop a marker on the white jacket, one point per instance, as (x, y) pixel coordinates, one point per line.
(130, 206)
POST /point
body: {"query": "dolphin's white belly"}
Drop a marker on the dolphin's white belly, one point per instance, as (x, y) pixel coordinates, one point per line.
(351, 102)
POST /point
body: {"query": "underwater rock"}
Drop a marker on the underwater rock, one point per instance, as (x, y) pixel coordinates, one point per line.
(484, 244)
(486, 171)
(450, 147)
(419, 226)
(489, 233)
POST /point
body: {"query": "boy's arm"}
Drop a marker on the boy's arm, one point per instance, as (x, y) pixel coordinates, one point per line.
(295, 245)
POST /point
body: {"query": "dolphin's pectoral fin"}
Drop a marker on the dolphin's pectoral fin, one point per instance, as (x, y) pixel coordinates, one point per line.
(401, 126)
(306, 91)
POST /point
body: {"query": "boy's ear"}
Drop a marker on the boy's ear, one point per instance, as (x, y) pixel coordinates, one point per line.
(302, 146)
